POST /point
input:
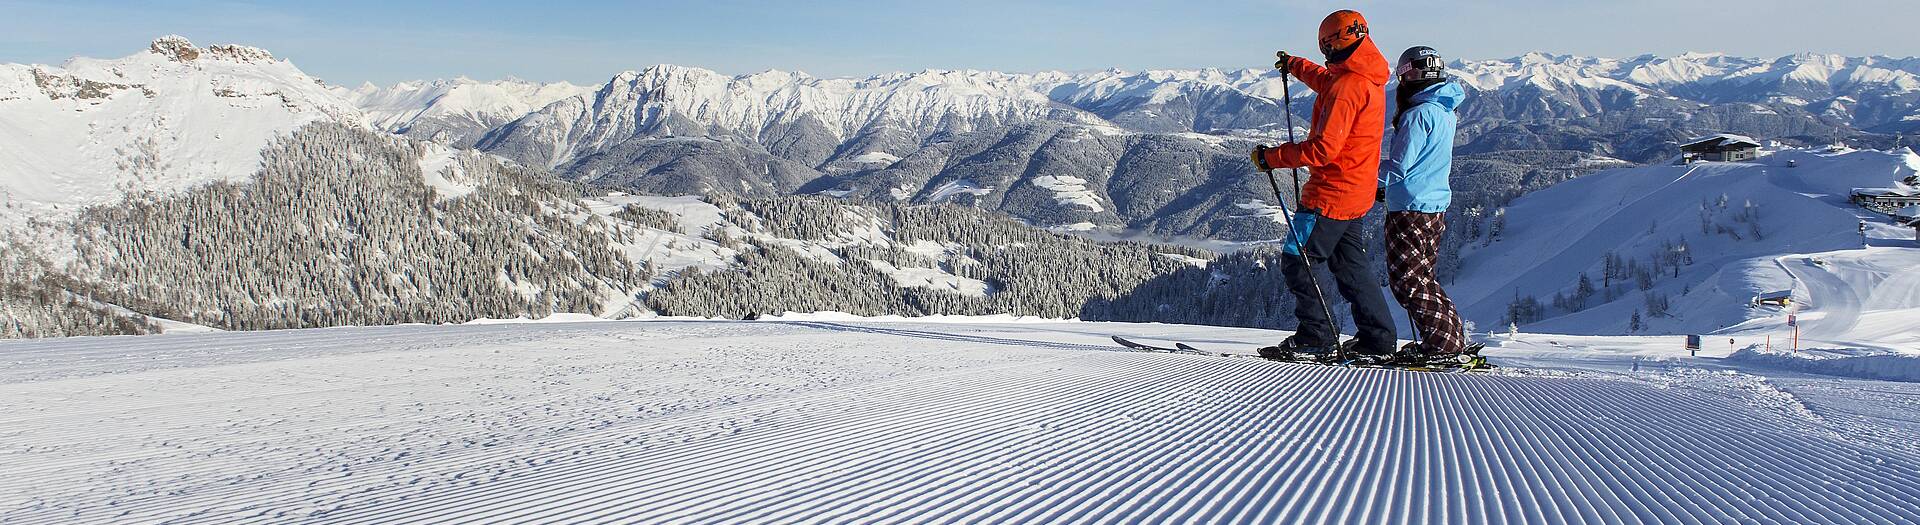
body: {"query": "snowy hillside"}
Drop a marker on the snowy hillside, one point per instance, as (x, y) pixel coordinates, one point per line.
(738, 259)
(456, 112)
(346, 226)
(1685, 248)
(162, 120)
(850, 421)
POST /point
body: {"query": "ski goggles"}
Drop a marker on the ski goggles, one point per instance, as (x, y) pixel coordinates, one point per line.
(1424, 67)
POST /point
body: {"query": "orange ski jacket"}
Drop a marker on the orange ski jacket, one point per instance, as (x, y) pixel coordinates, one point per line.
(1349, 118)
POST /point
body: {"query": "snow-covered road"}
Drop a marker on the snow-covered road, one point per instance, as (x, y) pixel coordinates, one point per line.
(1839, 304)
(888, 422)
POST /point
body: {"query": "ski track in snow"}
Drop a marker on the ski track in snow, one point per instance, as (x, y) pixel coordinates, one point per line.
(783, 422)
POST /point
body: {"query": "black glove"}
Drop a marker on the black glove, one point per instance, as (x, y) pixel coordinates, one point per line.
(1260, 158)
(1380, 194)
(1285, 64)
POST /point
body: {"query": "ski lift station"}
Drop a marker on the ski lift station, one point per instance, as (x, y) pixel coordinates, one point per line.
(1909, 216)
(1719, 148)
(1885, 200)
(1783, 299)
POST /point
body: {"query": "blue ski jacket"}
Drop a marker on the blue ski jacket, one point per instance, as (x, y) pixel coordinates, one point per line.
(1421, 157)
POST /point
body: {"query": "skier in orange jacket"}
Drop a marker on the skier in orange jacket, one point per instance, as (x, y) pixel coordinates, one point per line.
(1343, 154)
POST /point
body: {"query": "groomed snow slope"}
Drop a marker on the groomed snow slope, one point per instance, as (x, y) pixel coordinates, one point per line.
(794, 421)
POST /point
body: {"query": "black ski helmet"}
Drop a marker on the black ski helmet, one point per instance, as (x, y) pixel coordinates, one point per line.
(1420, 63)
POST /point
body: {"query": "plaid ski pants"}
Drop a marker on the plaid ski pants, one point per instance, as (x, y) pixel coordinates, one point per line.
(1413, 243)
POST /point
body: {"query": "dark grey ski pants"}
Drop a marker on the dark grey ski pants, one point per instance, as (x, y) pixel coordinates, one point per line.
(1336, 246)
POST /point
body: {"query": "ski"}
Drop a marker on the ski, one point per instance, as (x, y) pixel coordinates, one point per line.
(1178, 348)
(1326, 356)
(1122, 341)
(1300, 358)
(1470, 362)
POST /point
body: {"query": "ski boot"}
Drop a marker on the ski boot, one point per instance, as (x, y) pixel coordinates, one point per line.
(1410, 354)
(1357, 357)
(1292, 349)
(1413, 356)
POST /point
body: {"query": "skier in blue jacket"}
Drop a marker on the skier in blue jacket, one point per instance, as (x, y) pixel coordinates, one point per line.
(1414, 185)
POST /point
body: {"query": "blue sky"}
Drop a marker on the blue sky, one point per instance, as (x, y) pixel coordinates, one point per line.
(347, 42)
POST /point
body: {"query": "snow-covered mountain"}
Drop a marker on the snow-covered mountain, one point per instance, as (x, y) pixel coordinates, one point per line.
(1860, 92)
(1158, 152)
(1685, 248)
(1855, 92)
(173, 116)
(1204, 100)
(670, 129)
(246, 195)
(197, 189)
(1704, 76)
(842, 125)
(923, 137)
(797, 117)
(455, 112)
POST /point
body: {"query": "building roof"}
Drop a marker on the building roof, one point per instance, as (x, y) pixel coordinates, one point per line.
(1724, 140)
(1783, 294)
(1884, 192)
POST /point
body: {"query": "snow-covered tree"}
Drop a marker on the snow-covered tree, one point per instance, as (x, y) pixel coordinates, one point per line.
(1582, 291)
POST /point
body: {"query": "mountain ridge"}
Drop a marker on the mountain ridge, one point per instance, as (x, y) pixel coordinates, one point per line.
(1101, 88)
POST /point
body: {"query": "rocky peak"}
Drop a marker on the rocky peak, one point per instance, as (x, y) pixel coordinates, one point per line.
(178, 49)
(175, 47)
(239, 53)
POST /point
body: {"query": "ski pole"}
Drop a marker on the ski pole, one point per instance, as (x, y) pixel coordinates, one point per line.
(1294, 235)
(1412, 324)
(1286, 95)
